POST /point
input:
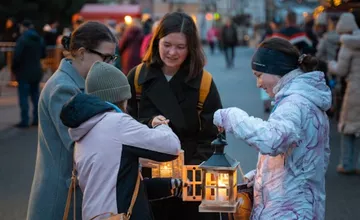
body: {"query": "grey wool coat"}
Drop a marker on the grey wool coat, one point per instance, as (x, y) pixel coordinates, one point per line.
(348, 65)
(54, 158)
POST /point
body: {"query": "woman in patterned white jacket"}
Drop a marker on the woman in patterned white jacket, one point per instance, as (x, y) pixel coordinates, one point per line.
(293, 144)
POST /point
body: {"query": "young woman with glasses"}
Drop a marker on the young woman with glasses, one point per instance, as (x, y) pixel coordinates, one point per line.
(89, 43)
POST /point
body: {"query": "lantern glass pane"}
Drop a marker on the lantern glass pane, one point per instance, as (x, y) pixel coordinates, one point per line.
(166, 170)
(222, 187)
(217, 186)
(172, 169)
(198, 175)
(190, 175)
(190, 190)
(198, 190)
(209, 184)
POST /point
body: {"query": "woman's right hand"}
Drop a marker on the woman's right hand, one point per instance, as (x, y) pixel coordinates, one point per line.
(159, 120)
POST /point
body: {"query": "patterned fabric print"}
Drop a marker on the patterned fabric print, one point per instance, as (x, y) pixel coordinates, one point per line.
(293, 148)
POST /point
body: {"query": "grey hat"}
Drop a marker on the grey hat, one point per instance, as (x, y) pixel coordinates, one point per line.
(108, 83)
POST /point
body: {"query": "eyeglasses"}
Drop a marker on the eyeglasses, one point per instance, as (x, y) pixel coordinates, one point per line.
(107, 58)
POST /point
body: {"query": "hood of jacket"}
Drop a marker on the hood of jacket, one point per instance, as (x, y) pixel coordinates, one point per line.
(81, 113)
(311, 86)
(32, 36)
(351, 41)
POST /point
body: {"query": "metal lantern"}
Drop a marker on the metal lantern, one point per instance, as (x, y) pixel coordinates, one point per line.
(171, 169)
(219, 180)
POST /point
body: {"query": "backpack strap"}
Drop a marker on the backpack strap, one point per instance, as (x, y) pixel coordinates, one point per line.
(205, 85)
(138, 88)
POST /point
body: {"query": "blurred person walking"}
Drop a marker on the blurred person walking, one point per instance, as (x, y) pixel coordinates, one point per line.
(295, 35)
(26, 66)
(147, 39)
(11, 32)
(229, 40)
(130, 45)
(211, 38)
(348, 65)
(273, 27)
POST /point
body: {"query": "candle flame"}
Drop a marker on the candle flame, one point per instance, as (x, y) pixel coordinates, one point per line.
(221, 183)
(223, 179)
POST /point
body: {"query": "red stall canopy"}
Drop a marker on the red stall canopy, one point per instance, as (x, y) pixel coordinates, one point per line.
(113, 12)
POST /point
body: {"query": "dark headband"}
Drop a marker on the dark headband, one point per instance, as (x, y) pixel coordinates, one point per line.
(273, 62)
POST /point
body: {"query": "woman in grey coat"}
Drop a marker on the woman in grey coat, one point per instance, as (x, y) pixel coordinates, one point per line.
(348, 66)
(90, 42)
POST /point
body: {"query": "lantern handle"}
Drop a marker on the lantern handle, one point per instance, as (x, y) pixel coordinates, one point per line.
(221, 135)
(241, 172)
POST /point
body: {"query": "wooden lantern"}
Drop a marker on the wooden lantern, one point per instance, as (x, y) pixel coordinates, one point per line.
(171, 169)
(219, 181)
(192, 175)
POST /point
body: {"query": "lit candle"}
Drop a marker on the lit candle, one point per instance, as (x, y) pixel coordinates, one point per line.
(165, 171)
(222, 192)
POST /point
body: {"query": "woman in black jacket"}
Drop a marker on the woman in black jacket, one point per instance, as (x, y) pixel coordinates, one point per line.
(168, 89)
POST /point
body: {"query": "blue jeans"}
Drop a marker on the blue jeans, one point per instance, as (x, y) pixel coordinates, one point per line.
(24, 91)
(229, 52)
(348, 153)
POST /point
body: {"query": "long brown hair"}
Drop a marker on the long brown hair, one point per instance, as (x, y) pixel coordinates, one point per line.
(178, 22)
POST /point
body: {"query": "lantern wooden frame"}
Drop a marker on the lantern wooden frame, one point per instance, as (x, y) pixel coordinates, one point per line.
(216, 198)
(192, 179)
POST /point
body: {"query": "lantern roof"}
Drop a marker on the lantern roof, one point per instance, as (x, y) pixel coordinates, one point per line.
(219, 160)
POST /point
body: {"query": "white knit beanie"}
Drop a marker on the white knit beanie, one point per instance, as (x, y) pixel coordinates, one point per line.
(346, 23)
(108, 83)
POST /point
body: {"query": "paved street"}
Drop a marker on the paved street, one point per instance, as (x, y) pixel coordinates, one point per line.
(237, 88)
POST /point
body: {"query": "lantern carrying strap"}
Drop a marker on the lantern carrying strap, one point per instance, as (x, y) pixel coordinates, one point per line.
(241, 172)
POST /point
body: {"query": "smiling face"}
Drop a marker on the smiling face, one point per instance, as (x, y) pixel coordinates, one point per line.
(173, 49)
(266, 81)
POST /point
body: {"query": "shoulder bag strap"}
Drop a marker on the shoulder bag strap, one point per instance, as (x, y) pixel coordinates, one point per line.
(135, 194)
(70, 192)
(136, 190)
